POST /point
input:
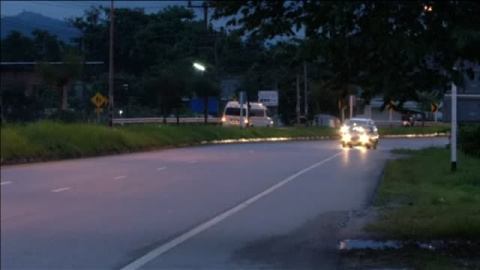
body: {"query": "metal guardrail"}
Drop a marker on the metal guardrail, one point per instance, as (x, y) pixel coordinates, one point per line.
(216, 120)
(168, 120)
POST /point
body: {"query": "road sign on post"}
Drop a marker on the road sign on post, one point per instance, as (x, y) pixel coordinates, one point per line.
(99, 100)
(390, 106)
(242, 95)
(342, 106)
(268, 98)
(435, 110)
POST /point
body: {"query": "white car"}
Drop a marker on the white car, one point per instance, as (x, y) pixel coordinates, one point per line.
(257, 116)
(359, 132)
(357, 122)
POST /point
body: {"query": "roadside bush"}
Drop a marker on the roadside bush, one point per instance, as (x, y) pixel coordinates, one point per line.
(69, 116)
(469, 139)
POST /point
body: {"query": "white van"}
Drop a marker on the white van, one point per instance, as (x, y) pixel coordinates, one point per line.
(257, 116)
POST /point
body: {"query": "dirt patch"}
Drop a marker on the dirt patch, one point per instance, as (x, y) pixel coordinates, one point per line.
(459, 255)
(312, 246)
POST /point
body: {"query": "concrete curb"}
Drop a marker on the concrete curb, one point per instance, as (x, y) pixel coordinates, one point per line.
(430, 135)
(315, 138)
(271, 139)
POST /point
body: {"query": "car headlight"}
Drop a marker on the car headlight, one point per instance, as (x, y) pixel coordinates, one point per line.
(344, 129)
(364, 138)
(224, 119)
(346, 137)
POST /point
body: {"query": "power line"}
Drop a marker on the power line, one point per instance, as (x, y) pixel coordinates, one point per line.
(57, 4)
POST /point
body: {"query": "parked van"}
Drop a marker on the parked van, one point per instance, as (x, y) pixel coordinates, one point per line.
(257, 116)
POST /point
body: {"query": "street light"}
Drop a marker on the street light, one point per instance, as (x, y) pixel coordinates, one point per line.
(202, 68)
(199, 66)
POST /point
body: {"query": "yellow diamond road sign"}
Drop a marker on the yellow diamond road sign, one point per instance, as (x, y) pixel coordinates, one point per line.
(99, 100)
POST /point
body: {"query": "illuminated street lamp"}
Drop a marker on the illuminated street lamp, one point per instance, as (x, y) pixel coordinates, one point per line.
(199, 66)
(202, 68)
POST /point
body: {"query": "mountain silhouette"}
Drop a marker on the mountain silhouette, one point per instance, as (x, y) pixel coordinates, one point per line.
(25, 22)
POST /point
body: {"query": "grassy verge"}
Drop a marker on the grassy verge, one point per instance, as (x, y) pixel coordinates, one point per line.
(423, 199)
(49, 140)
(411, 258)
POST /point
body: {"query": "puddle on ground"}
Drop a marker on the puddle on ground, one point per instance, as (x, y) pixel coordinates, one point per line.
(350, 244)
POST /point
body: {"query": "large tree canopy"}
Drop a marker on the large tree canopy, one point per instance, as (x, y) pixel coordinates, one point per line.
(396, 47)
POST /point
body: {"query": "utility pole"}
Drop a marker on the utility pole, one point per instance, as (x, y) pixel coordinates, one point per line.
(110, 74)
(298, 98)
(205, 8)
(453, 143)
(305, 80)
(351, 106)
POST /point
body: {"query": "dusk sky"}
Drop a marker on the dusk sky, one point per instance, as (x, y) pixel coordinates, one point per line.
(67, 9)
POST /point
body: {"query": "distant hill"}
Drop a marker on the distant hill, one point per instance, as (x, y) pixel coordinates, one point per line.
(26, 22)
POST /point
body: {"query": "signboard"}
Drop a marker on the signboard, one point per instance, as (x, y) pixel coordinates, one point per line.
(98, 110)
(99, 100)
(268, 98)
(434, 107)
(390, 105)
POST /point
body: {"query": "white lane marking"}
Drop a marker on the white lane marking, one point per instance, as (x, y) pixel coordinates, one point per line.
(61, 189)
(5, 183)
(217, 219)
(119, 177)
(193, 162)
(161, 168)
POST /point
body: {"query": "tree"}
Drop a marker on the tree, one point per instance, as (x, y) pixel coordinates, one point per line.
(205, 88)
(381, 45)
(48, 46)
(164, 87)
(63, 74)
(18, 48)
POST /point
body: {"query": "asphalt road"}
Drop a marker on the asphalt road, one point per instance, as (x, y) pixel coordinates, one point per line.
(242, 206)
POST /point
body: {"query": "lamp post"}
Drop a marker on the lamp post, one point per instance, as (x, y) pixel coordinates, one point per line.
(202, 69)
(110, 73)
